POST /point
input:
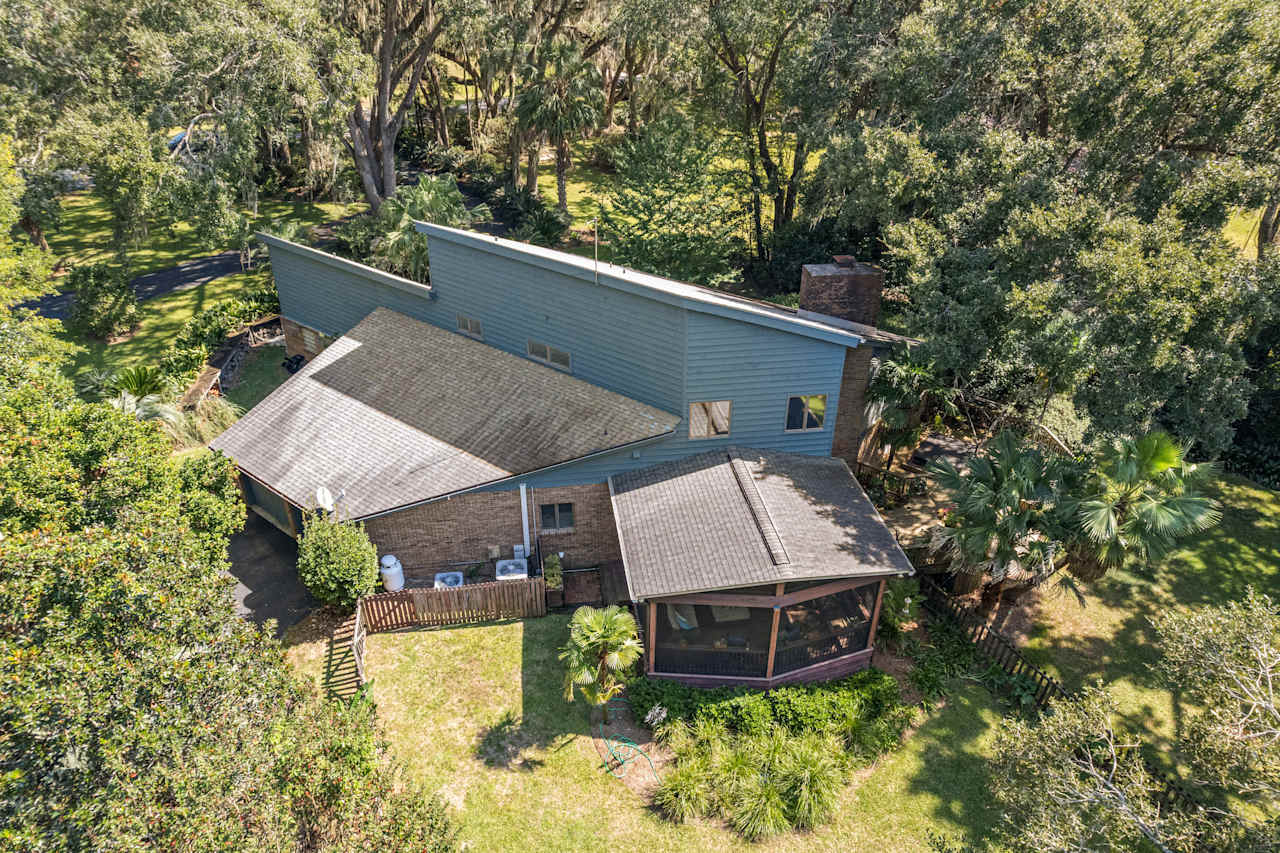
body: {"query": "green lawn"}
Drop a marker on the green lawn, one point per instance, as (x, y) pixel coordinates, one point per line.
(1111, 638)
(85, 233)
(478, 713)
(159, 320)
(1242, 230)
(260, 375)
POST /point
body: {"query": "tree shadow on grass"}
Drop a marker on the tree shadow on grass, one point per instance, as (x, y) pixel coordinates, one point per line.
(545, 720)
(954, 768)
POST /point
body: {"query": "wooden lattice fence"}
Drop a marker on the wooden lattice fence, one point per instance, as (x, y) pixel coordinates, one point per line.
(994, 645)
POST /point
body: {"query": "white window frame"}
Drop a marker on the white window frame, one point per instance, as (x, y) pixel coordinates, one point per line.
(558, 529)
(549, 360)
(728, 432)
(786, 413)
(471, 327)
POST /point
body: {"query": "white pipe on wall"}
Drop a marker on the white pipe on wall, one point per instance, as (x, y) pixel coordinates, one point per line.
(524, 516)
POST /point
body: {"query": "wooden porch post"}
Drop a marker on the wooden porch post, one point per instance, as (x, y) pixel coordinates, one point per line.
(875, 615)
(773, 633)
(653, 630)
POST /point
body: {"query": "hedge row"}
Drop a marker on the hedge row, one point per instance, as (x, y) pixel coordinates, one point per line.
(867, 695)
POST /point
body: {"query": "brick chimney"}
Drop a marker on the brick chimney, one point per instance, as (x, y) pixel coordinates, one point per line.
(843, 288)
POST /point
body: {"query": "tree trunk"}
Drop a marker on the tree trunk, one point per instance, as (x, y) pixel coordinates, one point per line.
(35, 232)
(531, 166)
(562, 169)
(1269, 226)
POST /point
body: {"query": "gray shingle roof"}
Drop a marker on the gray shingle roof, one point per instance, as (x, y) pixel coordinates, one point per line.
(737, 517)
(398, 411)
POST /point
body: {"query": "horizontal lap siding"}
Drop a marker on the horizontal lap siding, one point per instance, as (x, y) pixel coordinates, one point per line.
(755, 367)
(625, 343)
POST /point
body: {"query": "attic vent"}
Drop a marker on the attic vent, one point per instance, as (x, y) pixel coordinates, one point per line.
(764, 521)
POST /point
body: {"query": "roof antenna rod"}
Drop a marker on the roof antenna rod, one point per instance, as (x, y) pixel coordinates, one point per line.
(595, 231)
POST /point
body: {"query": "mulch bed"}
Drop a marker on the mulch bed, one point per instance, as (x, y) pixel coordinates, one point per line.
(636, 775)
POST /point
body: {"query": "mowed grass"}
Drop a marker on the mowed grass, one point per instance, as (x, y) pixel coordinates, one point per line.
(1241, 230)
(261, 374)
(478, 714)
(85, 233)
(1112, 638)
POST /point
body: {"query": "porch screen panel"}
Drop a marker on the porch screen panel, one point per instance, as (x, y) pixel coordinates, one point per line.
(825, 628)
(700, 639)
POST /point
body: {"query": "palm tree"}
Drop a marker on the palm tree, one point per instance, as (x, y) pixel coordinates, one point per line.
(1145, 496)
(602, 645)
(436, 199)
(562, 101)
(903, 392)
(1010, 517)
(151, 407)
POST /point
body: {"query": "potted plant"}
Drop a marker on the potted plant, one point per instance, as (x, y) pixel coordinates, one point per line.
(553, 574)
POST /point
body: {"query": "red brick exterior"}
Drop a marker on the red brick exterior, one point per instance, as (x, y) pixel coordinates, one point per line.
(594, 539)
(295, 341)
(461, 530)
(851, 414)
(846, 289)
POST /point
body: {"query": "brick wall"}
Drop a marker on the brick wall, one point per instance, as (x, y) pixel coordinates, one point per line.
(454, 530)
(851, 416)
(594, 539)
(847, 289)
(295, 340)
(463, 528)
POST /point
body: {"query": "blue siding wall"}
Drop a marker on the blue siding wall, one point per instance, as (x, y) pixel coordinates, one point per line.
(625, 343)
(755, 367)
(662, 354)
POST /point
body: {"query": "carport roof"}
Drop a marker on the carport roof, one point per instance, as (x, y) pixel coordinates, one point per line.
(397, 412)
(737, 517)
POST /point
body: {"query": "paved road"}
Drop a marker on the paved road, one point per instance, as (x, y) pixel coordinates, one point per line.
(150, 285)
(264, 563)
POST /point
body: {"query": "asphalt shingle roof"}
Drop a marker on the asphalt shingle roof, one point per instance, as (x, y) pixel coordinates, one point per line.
(737, 517)
(398, 411)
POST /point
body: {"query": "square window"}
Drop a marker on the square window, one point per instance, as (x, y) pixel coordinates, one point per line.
(559, 357)
(538, 351)
(806, 412)
(556, 517)
(710, 419)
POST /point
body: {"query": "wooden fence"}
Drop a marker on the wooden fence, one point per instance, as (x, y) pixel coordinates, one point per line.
(358, 632)
(991, 643)
(481, 602)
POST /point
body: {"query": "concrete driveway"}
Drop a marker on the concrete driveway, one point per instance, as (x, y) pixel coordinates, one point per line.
(264, 563)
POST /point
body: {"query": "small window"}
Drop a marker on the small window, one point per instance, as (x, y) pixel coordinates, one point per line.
(470, 327)
(710, 419)
(556, 517)
(806, 412)
(549, 355)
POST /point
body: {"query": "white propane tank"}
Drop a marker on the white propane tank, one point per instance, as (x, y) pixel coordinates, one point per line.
(392, 573)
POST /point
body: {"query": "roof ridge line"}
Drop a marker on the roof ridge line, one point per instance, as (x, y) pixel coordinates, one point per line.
(759, 509)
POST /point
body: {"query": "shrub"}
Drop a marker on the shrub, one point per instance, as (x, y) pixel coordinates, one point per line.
(336, 560)
(825, 707)
(104, 303)
(141, 381)
(762, 784)
(211, 417)
(543, 226)
(553, 572)
(206, 331)
(899, 608)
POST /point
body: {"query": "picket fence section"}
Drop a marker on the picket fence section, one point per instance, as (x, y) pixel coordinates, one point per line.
(991, 643)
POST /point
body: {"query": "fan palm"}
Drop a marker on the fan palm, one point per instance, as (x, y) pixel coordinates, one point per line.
(1009, 520)
(151, 407)
(903, 392)
(433, 199)
(602, 645)
(1145, 497)
(141, 381)
(562, 101)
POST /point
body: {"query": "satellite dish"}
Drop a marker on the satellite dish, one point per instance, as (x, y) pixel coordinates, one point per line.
(324, 499)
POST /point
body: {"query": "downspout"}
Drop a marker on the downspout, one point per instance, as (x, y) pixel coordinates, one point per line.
(524, 517)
